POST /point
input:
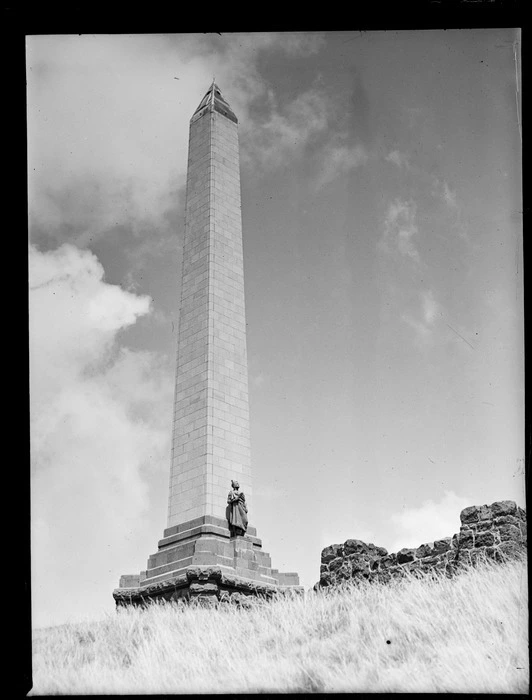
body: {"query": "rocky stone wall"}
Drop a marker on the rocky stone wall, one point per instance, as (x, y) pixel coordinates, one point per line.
(496, 532)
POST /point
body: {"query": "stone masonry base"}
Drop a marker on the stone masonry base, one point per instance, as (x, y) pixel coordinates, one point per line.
(199, 559)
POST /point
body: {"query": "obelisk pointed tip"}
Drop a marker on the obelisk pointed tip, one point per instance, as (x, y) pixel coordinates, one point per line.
(214, 100)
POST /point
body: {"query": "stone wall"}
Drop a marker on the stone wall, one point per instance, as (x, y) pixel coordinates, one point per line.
(496, 532)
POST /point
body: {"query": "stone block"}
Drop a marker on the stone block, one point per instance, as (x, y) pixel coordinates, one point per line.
(484, 539)
(129, 581)
(247, 573)
(354, 547)
(168, 572)
(469, 515)
(425, 550)
(326, 579)
(263, 558)
(463, 558)
(484, 525)
(205, 558)
(172, 554)
(211, 545)
(388, 561)
(335, 564)
(442, 545)
(331, 552)
(405, 555)
(503, 508)
(509, 533)
(485, 513)
(357, 565)
(467, 539)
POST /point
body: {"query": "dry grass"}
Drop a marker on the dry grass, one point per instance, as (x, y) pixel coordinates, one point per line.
(468, 634)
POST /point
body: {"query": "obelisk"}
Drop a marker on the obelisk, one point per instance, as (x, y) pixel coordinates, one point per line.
(211, 443)
(198, 556)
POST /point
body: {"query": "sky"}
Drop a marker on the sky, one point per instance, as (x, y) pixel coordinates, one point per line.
(382, 223)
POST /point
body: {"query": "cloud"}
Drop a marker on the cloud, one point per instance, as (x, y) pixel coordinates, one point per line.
(399, 159)
(108, 123)
(106, 134)
(235, 62)
(100, 421)
(430, 307)
(408, 296)
(449, 197)
(421, 329)
(400, 230)
(429, 521)
(441, 190)
(339, 160)
(285, 132)
(424, 319)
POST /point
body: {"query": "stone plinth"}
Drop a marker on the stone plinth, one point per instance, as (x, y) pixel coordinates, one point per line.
(200, 558)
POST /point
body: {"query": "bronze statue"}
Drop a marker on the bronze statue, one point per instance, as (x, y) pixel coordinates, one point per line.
(237, 510)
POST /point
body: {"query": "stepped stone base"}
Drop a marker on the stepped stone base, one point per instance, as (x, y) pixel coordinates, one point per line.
(200, 559)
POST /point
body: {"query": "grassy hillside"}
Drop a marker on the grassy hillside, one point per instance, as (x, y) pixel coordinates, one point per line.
(468, 634)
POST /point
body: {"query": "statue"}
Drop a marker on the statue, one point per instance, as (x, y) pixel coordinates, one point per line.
(237, 510)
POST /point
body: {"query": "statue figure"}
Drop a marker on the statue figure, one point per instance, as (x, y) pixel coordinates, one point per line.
(237, 510)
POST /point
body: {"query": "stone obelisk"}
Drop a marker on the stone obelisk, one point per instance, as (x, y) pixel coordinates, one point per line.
(211, 443)
(198, 556)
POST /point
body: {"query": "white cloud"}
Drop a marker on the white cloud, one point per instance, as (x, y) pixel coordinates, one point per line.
(108, 121)
(105, 130)
(74, 314)
(430, 306)
(421, 329)
(441, 189)
(424, 320)
(414, 303)
(235, 59)
(100, 419)
(399, 159)
(286, 132)
(400, 230)
(429, 521)
(449, 196)
(339, 160)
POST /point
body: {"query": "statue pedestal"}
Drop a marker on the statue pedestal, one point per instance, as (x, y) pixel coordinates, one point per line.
(200, 559)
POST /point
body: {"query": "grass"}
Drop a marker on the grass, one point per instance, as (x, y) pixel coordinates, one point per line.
(467, 634)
